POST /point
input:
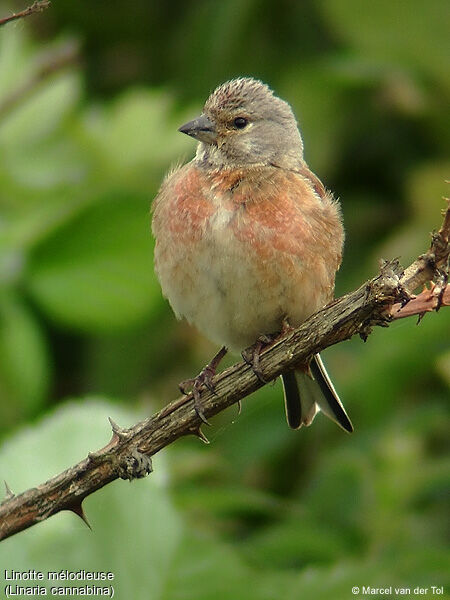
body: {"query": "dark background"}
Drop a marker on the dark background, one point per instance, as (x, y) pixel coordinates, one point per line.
(91, 96)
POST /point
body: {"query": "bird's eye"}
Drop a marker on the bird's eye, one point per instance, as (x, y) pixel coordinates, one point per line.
(240, 122)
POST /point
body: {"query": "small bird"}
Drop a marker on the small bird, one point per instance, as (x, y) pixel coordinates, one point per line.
(248, 240)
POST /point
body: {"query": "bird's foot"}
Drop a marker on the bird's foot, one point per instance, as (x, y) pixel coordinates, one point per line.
(202, 381)
(251, 355)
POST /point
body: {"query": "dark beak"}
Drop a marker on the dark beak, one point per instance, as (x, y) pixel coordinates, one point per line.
(201, 129)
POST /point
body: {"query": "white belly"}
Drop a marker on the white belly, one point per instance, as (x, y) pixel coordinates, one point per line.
(232, 295)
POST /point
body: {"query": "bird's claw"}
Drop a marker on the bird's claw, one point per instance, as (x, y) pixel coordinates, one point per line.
(251, 355)
(203, 380)
(194, 386)
(286, 327)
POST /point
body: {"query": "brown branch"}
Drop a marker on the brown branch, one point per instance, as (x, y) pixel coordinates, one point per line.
(37, 6)
(429, 300)
(432, 266)
(128, 453)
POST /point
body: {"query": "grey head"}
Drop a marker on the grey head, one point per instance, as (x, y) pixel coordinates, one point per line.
(244, 124)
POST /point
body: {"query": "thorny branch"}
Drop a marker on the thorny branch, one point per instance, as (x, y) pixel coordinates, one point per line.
(387, 296)
(37, 6)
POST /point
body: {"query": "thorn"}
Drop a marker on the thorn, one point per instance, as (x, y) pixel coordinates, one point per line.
(9, 493)
(239, 405)
(364, 331)
(77, 509)
(120, 432)
(199, 433)
(420, 317)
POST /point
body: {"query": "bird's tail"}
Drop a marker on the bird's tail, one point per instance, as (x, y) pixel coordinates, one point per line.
(304, 396)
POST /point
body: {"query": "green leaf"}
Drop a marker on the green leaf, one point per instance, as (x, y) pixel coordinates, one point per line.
(392, 373)
(405, 33)
(410, 568)
(205, 569)
(44, 166)
(135, 529)
(316, 96)
(136, 532)
(96, 273)
(140, 537)
(15, 65)
(426, 187)
(39, 115)
(24, 368)
(298, 541)
(136, 132)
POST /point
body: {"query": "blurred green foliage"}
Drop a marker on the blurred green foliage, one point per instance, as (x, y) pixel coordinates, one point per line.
(263, 512)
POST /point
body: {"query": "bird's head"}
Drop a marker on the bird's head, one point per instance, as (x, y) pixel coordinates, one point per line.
(244, 124)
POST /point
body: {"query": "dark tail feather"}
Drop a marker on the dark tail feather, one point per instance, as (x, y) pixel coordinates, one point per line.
(304, 396)
(329, 403)
(299, 398)
(292, 401)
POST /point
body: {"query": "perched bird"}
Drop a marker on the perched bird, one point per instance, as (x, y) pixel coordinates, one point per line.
(247, 237)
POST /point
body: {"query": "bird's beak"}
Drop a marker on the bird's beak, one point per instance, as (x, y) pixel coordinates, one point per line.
(201, 129)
